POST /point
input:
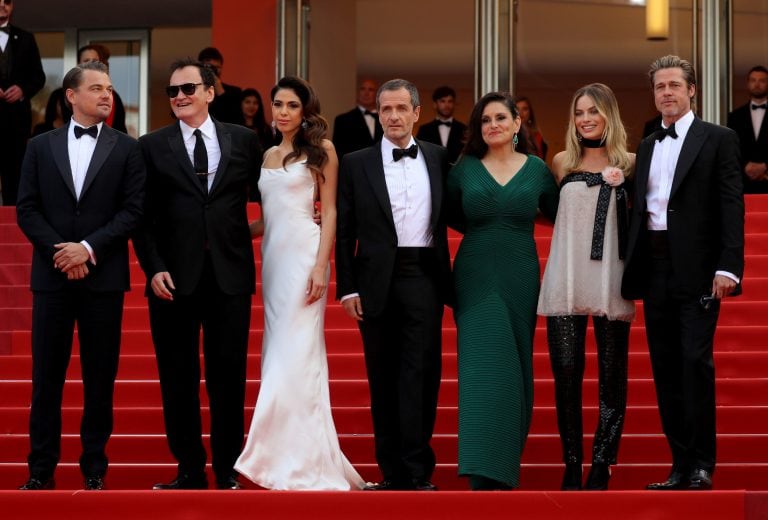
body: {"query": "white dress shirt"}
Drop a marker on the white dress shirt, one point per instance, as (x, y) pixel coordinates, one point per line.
(757, 116)
(444, 130)
(4, 37)
(410, 196)
(208, 129)
(370, 121)
(80, 154)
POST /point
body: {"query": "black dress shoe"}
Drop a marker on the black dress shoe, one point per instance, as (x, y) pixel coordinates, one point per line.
(385, 485)
(571, 477)
(423, 485)
(598, 477)
(184, 481)
(676, 480)
(94, 483)
(700, 479)
(228, 483)
(38, 484)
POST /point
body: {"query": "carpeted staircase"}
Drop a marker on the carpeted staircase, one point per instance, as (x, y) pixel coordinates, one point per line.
(139, 455)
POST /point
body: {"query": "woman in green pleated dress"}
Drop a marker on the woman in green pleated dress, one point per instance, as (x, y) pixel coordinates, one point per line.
(494, 192)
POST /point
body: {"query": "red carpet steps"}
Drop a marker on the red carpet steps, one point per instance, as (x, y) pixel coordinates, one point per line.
(139, 455)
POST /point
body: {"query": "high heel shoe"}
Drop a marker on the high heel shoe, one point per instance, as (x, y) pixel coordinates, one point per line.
(598, 477)
(571, 478)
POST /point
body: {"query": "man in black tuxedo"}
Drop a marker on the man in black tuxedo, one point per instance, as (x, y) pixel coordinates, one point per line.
(685, 253)
(445, 130)
(225, 106)
(80, 196)
(393, 276)
(360, 127)
(21, 77)
(195, 249)
(751, 125)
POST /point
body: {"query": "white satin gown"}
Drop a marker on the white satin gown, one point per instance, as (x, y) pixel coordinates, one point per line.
(292, 443)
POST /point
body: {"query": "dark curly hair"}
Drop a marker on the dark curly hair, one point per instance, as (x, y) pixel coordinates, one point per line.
(475, 146)
(314, 128)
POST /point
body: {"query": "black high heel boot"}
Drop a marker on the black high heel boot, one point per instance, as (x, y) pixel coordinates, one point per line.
(598, 477)
(571, 478)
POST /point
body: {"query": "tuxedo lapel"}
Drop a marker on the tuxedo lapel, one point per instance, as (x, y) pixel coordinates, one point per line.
(179, 152)
(644, 155)
(435, 182)
(225, 145)
(104, 146)
(691, 146)
(60, 150)
(374, 171)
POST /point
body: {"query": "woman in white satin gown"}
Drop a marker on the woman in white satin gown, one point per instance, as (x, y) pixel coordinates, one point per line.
(292, 444)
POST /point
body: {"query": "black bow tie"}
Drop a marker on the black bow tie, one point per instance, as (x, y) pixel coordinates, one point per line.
(764, 106)
(664, 132)
(369, 113)
(5, 29)
(399, 153)
(446, 123)
(93, 131)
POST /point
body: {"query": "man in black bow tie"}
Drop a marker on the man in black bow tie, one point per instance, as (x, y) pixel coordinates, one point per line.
(445, 130)
(393, 276)
(685, 247)
(21, 77)
(80, 197)
(751, 125)
(359, 128)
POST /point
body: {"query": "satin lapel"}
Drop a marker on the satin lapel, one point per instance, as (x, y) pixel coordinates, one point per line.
(374, 170)
(104, 145)
(694, 140)
(435, 182)
(60, 149)
(225, 144)
(644, 155)
(176, 142)
(762, 135)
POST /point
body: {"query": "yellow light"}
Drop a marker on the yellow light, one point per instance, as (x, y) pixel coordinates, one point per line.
(657, 19)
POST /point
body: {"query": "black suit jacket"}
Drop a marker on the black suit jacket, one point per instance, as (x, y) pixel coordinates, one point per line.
(350, 132)
(26, 71)
(752, 150)
(183, 224)
(366, 240)
(226, 107)
(430, 132)
(705, 215)
(109, 208)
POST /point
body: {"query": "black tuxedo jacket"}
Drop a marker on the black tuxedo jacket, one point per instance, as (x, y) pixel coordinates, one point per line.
(26, 71)
(431, 132)
(350, 132)
(705, 215)
(183, 223)
(366, 240)
(752, 150)
(109, 208)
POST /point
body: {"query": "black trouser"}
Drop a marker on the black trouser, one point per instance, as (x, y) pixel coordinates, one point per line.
(176, 326)
(680, 335)
(403, 360)
(98, 316)
(566, 338)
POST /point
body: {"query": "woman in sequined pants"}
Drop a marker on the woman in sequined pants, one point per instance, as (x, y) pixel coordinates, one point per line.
(583, 278)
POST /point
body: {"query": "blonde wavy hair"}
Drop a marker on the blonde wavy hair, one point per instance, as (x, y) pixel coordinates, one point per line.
(614, 136)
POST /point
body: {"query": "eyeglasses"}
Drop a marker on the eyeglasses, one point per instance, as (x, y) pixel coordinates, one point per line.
(187, 88)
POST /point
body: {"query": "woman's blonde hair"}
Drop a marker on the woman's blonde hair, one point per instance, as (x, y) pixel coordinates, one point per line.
(614, 135)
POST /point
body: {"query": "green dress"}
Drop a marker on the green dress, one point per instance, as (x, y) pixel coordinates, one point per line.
(496, 273)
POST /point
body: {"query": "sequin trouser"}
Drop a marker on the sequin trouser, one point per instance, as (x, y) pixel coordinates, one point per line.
(566, 338)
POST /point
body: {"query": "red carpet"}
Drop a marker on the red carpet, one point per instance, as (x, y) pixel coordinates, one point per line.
(139, 455)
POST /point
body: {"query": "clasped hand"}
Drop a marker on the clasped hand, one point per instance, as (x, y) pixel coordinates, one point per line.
(71, 259)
